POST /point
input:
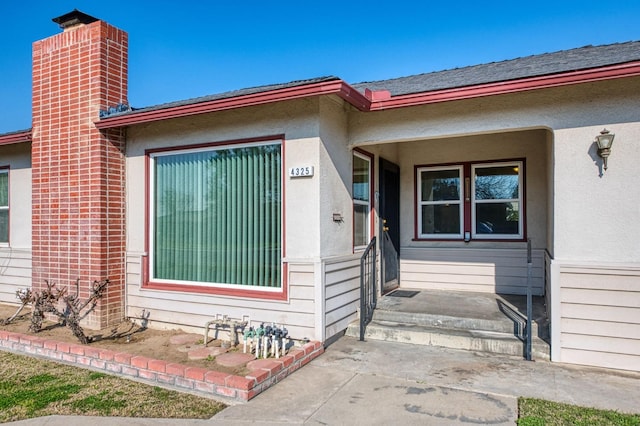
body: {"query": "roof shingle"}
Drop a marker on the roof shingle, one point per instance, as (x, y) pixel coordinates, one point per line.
(531, 66)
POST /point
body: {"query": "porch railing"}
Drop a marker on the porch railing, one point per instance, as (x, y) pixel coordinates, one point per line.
(368, 291)
(529, 302)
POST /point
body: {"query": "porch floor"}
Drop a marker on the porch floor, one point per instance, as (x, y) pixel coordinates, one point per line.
(463, 304)
(485, 322)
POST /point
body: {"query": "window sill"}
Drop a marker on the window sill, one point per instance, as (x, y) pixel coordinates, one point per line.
(281, 295)
(476, 240)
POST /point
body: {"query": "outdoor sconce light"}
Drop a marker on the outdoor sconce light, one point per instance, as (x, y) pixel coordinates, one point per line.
(604, 141)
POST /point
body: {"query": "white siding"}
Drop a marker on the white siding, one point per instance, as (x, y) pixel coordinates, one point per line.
(481, 270)
(190, 311)
(342, 293)
(600, 316)
(15, 257)
(15, 273)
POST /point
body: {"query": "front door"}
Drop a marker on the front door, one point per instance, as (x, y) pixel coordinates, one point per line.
(389, 204)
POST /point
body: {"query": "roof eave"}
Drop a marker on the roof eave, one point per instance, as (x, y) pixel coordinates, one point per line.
(16, 137)
(630, 69)
(362, 103)
(337, 87)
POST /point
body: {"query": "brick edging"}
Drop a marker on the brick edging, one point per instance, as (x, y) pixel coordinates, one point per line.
(178, 376)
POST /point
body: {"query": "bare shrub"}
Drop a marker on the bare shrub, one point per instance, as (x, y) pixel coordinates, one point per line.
(47, 301)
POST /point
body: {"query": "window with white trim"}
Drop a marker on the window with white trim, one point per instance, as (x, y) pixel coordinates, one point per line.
(216, 216)
(4, 205)
(361, 200)
(497, 201)
(440, 209)
(477, 200)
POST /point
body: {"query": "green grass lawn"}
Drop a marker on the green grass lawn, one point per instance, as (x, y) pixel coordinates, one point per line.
(538, 412)
(32, 387)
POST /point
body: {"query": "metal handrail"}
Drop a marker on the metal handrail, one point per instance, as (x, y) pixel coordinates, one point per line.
(529, 302)
(368, 291)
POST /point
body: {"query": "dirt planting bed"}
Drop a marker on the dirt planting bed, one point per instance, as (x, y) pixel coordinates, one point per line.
(172, 346)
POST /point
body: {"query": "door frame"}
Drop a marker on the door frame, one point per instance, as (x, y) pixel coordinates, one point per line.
(389, 211)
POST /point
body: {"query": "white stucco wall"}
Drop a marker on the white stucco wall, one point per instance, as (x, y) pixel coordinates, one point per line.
(597, 211)
(527, 145)
(574, 106)
(314, 135)
(297, 121)
(335, 175)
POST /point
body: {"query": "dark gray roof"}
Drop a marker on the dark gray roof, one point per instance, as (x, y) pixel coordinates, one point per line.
(15, 132)
(531, 66)
(237, 93)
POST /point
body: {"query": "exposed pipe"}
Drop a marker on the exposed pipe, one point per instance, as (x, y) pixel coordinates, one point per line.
(263, 341)
(248, 335)
(233, 324)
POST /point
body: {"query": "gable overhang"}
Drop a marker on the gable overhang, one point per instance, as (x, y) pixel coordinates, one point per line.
(16, 137)
(374, 102)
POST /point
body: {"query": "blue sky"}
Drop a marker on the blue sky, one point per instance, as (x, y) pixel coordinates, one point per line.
(184, 49)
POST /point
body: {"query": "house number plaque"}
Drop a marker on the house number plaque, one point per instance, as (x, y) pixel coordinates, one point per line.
(301, 171)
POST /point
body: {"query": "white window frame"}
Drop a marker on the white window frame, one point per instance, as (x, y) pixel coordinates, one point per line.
(6, 243)
(363, 203)
(420, 203)
(519, 200)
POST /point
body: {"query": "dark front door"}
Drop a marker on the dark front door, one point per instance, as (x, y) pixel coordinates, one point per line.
(389, 203)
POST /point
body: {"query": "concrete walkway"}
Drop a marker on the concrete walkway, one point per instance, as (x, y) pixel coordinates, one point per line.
(391, 383)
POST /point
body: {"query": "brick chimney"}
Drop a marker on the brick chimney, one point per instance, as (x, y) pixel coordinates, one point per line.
(78, 171)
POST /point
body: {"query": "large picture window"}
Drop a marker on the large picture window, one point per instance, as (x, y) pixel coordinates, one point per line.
(4, 205)
(361, 200)
(216, 216)
(471, 200)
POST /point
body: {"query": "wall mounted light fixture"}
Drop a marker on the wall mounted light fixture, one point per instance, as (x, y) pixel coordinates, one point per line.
(604, 141)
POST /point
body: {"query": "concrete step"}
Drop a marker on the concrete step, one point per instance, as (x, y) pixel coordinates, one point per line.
(448, 334)
(469, 311)
(512, 322)
(443, 321)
